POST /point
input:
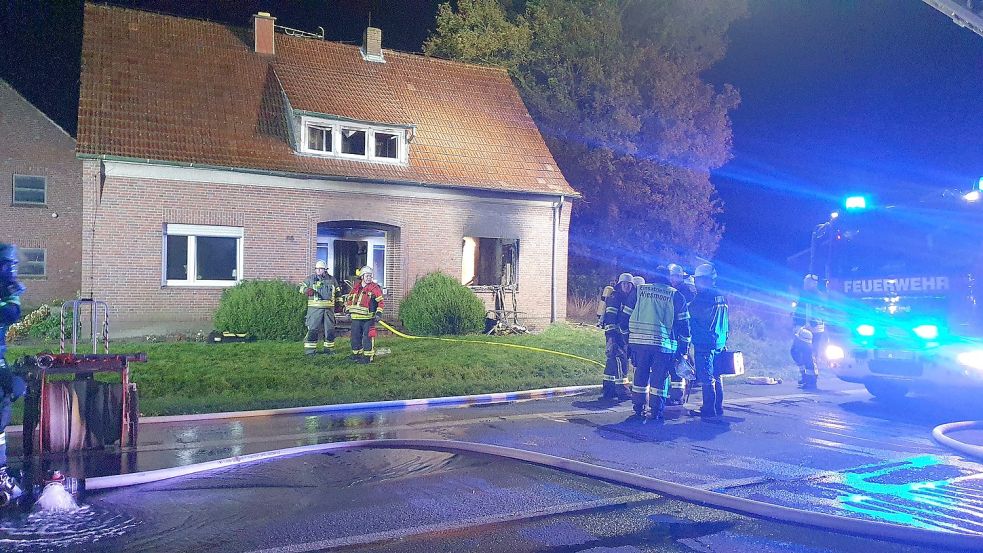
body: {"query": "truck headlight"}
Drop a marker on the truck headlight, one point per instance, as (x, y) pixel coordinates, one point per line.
(972, 359)
(834, 352)
(927, 332)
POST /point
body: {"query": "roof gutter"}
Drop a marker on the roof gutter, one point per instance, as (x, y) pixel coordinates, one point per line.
(287, 174)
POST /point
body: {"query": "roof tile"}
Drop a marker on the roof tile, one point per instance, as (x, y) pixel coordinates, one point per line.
(171, 89)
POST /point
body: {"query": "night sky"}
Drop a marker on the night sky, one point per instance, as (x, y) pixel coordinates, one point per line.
(882, 96)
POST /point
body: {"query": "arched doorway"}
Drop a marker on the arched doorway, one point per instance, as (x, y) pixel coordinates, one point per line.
(349, 245)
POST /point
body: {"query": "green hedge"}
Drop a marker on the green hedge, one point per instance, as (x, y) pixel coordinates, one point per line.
(439, 305)
(266, 309)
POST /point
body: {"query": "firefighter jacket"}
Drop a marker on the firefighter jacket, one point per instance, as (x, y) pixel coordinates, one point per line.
(809, 311)
(326, 291)
(9, 313)
(658, 317)
(709, 319)
(365, 301)
(613, 305)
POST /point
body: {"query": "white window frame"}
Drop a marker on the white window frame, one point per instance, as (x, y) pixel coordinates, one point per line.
(402, 149)
(330, 136)
(193, 232)
(44, 263)
(13, 190)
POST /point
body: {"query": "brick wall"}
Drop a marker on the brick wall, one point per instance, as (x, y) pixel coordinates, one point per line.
(123, 237)
(30, 144)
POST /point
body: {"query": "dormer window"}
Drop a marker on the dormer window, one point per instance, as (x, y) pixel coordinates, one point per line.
(319, 138)
(353, 141)
(359, 141)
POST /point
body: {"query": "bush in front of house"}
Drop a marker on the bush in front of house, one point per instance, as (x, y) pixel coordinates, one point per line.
(439, 305)
(266, 309)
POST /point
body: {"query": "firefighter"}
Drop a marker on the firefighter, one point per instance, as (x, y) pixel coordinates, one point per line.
(659, 336)
(709, 318)
(679, 280)
(809, 332)
(365, 305)
(322, 293)
(614, 383)
(11, 387)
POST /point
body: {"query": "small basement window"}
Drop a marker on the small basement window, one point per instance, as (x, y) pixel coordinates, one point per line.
(30, 189)
(490, 262)
(199, 255)
(33, 263)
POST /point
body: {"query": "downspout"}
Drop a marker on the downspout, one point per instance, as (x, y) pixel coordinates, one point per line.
(557, 209)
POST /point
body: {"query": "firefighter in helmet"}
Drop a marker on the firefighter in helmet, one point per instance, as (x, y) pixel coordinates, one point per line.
(709, 317)
(659, 336)
(11, 387)
(322, 293)
(614, 383)
(679, 280)
(365, 305)
(809, 335)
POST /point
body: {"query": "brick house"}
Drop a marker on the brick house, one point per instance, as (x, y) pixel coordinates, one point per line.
(40, 199)
(213, 154)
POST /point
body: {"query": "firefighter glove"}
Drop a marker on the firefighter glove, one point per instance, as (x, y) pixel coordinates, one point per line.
(310, 292)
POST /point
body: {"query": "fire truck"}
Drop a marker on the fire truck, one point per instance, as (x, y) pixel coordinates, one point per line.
(902, 293)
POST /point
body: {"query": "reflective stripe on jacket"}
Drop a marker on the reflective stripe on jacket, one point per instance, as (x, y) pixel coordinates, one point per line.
(365, 301)
(659, 318)
(326, 291)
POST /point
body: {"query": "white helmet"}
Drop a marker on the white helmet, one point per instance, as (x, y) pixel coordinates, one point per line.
(705, 270)
(320, 265)
(637, 280)
(624, 277)
(676, 270)
(366, 271)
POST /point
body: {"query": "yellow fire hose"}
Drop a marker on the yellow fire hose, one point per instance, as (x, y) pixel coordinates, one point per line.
(516, 346)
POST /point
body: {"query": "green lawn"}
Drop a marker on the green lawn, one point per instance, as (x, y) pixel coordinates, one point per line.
(187, 377)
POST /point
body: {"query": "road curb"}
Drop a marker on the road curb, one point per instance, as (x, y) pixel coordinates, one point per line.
(475, 399)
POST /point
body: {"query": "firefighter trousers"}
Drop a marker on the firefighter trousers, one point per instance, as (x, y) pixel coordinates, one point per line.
(615, 381)
(363, 343)
(320, 323)
(649, 385)
(710, 382)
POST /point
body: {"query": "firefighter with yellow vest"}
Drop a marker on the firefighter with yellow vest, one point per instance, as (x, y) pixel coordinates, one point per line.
(322, 293)
(365, 304)
(659, 336)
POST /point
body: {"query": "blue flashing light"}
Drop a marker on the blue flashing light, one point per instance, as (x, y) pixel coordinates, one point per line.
(865, 330)
(927, 332)
(856, 202)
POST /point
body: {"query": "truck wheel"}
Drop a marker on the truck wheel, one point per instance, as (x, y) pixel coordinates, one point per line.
(886, 390)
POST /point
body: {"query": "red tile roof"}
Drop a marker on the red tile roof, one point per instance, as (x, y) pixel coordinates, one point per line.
(170, 89)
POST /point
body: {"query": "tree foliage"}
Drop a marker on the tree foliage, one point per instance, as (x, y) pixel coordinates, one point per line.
(615, 88)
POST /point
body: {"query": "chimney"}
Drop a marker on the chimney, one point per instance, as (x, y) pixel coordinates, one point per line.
(372, 45)
(263, 33)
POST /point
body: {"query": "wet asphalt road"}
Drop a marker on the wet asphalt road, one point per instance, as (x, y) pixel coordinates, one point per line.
(835, 451)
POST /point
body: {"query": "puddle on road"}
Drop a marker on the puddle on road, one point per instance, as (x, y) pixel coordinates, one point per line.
(56, 531)
(922, 491)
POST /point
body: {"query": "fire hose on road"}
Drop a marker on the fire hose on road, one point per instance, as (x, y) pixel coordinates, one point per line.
(748, 507)
(940, 434)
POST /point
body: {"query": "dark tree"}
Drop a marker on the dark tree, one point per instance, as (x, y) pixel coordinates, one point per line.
(615, 87)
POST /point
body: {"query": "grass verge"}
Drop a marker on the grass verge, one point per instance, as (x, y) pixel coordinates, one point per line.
(187, 377)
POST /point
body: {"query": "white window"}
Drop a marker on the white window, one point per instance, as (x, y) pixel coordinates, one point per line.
(33, 263)
(359, 141)
(198, 255)
(386, 145)
(490, 262)
(30, 189)
(353, 141)
(319, 139)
